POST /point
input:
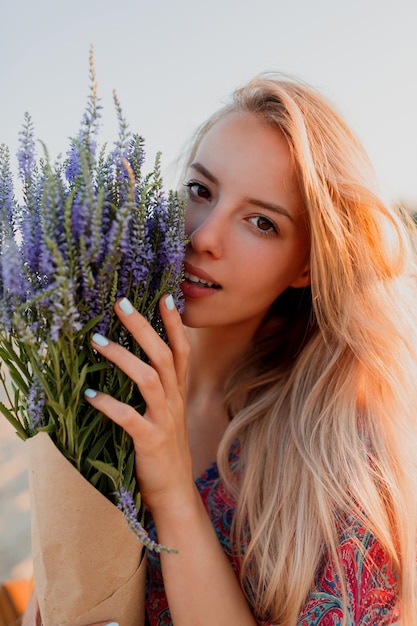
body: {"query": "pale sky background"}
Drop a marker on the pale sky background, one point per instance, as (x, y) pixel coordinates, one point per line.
(173, 62)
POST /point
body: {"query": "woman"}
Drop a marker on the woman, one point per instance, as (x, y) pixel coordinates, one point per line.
(295, 372)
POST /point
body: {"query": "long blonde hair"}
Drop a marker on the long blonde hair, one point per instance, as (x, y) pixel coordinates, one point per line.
(324, 403)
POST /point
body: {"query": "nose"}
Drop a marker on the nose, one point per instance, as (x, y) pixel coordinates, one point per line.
(207, 231)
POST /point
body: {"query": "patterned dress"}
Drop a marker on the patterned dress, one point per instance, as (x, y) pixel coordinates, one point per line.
(370, 581)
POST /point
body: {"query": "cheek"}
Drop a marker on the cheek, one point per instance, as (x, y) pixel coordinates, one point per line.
(194, 217)
(188, 223)
(261, 286)
(269, 277)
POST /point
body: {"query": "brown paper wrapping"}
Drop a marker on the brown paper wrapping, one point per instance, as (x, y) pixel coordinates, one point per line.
(87, 563)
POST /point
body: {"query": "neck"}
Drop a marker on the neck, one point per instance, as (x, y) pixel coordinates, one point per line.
(214, 351)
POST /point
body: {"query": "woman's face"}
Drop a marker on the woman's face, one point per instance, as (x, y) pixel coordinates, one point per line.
(244, 215)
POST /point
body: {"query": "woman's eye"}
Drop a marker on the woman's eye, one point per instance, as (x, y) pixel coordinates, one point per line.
(264, 225)
(197, 190)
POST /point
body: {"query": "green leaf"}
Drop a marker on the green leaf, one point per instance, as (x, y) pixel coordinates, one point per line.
(108, 470)
(13, 421)
(99, 446)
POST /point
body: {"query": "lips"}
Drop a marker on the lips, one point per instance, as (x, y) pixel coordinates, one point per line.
(199, 277)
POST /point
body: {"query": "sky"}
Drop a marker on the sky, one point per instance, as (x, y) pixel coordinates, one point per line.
(173, 62)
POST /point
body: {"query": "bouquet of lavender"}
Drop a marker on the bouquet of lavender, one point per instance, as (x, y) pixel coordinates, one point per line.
(91, 228)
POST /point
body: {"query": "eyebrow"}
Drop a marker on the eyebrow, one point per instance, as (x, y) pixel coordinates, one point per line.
(203, 170)
(277, 208)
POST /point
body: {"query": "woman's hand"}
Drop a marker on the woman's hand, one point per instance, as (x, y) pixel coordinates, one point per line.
(163, 460)
(199, 581)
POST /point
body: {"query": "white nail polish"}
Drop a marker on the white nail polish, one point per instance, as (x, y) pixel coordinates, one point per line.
(90, 393)
(169, 303)
(100, 340)
(126, 306)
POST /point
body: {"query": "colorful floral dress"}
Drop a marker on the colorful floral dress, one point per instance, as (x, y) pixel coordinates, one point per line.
(370, 581)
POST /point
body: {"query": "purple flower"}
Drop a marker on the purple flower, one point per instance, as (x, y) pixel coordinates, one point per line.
(65, 314)
(136, 157)
(52, 215)
(13, 278)
(13, 283)
(138, 252)
(72, 165)
(127, 506)
(89, 230)
(7, 200)
(6, 224)
(168, 232)
(26, 151)
(35, 404)
(31, 248)
(174, 248)
(82, 152)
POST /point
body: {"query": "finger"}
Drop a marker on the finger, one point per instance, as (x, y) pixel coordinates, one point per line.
(144, 375)
(158, 352)
(122, 414)
(178, 340)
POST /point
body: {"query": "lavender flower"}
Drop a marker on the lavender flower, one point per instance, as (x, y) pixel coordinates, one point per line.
(89, 230)
(12, 280)
(26, 152)
(13, 277)
(120, 154)
(86, 143)
(168, 230)
(35, 404)
(127, 506)
(7, 200)
(136, 157)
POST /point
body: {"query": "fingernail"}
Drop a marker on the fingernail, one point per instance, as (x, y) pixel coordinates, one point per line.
(169, 303)
(112, 624)
(126, 306)
(100, 340)
(90, 393)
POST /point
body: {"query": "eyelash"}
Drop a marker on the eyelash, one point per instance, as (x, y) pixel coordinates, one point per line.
(200, 187)
(265, 233)
(193, 195)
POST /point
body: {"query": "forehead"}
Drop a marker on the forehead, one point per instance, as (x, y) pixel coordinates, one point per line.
(243, 127)
(249, 152)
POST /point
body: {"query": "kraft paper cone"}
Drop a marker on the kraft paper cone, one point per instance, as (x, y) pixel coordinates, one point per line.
(88, 565)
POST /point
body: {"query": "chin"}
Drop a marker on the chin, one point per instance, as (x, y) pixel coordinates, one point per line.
(194, 320)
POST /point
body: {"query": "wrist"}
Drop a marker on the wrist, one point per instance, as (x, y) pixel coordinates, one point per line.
(173, 516)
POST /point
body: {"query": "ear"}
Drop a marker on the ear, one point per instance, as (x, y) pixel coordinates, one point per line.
(303, 280)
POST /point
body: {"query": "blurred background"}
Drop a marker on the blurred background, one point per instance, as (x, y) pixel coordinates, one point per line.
(172, 63)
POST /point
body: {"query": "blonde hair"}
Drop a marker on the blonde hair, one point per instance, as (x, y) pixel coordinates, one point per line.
(324, 403)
